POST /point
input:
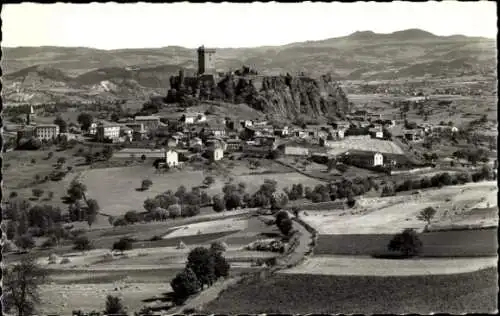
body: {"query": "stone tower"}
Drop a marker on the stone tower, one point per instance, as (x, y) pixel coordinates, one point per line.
(206, 61)
(30, 116)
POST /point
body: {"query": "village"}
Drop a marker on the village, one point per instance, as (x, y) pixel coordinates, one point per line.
(164, 206)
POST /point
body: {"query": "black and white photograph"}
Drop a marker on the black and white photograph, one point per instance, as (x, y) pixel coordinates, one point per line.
(249, 158)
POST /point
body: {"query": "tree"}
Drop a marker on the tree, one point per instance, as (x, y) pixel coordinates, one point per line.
(189, 210)
(150, 204)
(208, 181)
(233, 201)
(114, 305)
(24, 242)
(20, 286)
(132, 217)
(76, 191)
(92, 211)
(63, 126)
(408, 243)
(218, 247)
(221, 266)
(50, 195)
(146, 184)
(280, 216)
(218, 203)
(122, 245)
(427, 214)
(174, 210)
(205, 198)
(82, 243)
(185, 284)
(37, 192)
(278, 201)
(201, 261)
(285, 226)
(143, 157)
(85, 120)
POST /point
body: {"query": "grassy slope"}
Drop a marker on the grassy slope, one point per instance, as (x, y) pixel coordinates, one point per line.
(471, 292)
(436, 244)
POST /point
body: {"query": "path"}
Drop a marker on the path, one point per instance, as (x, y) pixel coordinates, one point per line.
(290, 259)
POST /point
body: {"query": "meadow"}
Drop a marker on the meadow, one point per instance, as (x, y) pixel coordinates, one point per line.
(474, 292)
(459, 243)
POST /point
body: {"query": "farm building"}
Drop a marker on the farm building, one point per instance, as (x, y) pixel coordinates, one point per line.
(363, 158)
(172, 158)
(283, 131)
(149, 122)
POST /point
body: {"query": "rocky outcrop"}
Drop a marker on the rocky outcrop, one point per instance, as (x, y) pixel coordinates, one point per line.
(284, 96)
(290, 97)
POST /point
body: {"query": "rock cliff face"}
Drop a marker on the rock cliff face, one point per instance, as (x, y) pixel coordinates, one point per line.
(284, 96)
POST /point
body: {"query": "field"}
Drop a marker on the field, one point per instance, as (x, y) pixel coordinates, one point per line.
(19, 171)
(376, 145)
(145, 271)
(474, 292)
(392, 214)
(115, 188)
(348, 265)
(460, 243)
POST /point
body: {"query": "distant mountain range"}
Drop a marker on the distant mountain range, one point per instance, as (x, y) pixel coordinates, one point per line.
(47, 74)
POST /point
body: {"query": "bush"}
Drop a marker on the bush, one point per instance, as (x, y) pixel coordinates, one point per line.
(123, 244)
(407, 243)
(37, 192)
(190, 210)
(351, 201)
(146, 184)
(24, 242)
(120, 222)
(82, 243)
(49, 243)
(132, 217)
(218, 246)
(114, 305)
(218, 204)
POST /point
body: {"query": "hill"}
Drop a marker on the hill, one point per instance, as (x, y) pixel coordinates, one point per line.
(361, 55)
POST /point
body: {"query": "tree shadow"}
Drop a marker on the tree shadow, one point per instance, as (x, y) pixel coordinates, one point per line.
(140, 189)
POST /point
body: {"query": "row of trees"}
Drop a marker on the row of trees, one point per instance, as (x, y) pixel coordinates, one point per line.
(445, 179)
(204, 266)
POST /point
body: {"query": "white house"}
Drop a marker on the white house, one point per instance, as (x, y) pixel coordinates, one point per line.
(172, 158)
(191, 118)
(47, 131)
(216, 154)
(107, 131)
(378, 159)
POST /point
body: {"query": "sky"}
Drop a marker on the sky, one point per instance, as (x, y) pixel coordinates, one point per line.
(145, 25)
